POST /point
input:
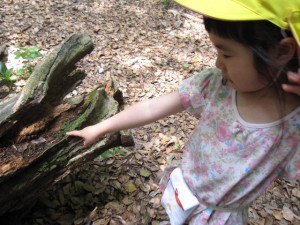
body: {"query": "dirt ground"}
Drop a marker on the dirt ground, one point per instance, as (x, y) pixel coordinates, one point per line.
(148, 49)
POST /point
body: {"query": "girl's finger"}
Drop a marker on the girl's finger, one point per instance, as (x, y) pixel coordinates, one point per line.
(294, 77)
(73, 133)
(295, 89)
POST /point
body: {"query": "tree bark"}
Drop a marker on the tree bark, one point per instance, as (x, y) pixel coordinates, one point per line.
(34, 150)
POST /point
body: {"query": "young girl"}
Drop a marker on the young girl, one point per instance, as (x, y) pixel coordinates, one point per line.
(248, 132)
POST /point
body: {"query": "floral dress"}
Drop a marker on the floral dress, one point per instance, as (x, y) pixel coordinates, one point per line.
(228, 162)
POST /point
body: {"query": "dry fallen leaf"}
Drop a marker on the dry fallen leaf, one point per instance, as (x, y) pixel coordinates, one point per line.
(277, 214)
(287, 214)
(101, 222)
(296, 192)
(145, 173)
(129, 187)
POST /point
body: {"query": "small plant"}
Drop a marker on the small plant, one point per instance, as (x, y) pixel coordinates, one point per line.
(177, 145)
(24, 70)
(112, 151)
(186, 66)
(28, 53)
(5, 74)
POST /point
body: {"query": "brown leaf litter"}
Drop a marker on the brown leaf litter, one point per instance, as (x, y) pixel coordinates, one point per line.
(148, 50)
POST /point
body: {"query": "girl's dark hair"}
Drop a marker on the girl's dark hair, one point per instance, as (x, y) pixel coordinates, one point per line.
(260, 36)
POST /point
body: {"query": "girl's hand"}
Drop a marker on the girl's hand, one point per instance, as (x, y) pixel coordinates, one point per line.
(136, 115)
(294, 83)
(89, 135)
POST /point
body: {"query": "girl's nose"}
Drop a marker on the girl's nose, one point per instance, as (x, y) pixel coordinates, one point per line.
(218, 63)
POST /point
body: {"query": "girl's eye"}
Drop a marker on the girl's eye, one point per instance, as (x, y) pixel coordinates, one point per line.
(221, 53)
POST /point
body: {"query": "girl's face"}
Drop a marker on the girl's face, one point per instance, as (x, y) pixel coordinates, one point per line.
(236, 64)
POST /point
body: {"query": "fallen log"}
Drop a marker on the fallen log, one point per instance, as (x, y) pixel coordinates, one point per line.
(35, 153)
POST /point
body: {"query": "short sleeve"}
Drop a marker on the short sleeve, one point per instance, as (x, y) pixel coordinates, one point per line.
(195, 90)
(292, 169)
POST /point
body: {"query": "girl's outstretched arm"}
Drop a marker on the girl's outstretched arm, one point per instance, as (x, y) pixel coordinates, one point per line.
(137, 115)
(294, 83)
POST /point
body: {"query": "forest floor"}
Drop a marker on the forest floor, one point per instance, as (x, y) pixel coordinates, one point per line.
(148, 49)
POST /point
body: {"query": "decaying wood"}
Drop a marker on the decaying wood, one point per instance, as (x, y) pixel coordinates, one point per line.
(50, 81)
(35, 152)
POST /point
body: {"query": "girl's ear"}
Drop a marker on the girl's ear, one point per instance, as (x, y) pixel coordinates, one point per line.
(286, 51)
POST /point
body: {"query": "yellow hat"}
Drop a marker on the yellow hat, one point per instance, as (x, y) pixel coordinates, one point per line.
(283, 13)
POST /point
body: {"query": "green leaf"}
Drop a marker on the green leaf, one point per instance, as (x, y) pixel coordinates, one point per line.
(34, 49)
(107, 154)
(3, 68)
(29, 68)
(33, 55)
(20, 71)
(28, 53)
(8, 73)
(186, 66)
(177, 145)
(119, 151)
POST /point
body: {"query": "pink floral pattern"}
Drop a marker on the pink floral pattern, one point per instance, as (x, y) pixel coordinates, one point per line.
(228, 163)
(222, 132)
